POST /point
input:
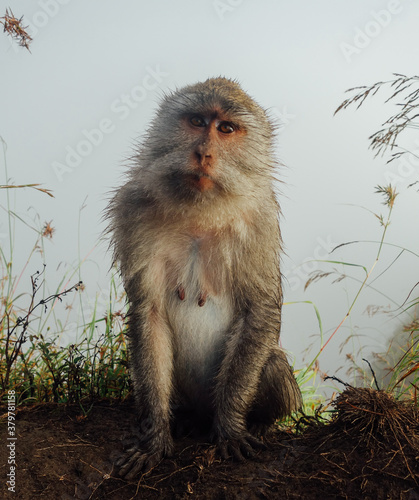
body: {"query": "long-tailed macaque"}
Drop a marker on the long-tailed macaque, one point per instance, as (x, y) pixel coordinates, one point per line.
(195, 231)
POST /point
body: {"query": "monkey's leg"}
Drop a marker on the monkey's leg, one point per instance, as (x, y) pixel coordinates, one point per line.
(151, 373)
(246, 353)
(278, 394)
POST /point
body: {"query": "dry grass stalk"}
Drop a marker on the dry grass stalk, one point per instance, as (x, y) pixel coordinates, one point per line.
(14, 28)
(387, 136)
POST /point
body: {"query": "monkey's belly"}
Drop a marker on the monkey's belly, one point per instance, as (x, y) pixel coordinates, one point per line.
(199, 337)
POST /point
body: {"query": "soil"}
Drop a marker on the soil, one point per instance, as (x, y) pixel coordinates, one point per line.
(369, 450)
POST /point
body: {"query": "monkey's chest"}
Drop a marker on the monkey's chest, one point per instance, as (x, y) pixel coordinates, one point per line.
(200, 314)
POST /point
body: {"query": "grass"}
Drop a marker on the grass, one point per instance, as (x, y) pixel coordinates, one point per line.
(390, 195)
(400, 363)
(38, 368)
(405, 94)
(33, 362)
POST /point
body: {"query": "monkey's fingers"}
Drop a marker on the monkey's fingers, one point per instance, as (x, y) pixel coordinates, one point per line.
(136, 461)
(248, 445)
(256, 443)
(124, 457)
(144, 463)
(240, 448)
(234, 448)
(222, 447)
(131, 463)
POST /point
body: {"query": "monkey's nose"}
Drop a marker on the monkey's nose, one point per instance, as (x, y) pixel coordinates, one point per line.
(203, 150)
(201, 157)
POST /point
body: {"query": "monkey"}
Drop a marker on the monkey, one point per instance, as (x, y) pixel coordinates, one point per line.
(195, 232)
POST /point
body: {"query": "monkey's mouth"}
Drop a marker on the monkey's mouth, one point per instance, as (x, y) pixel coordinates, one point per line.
(201, 182)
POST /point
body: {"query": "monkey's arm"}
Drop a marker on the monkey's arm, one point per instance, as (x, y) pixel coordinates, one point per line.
(252, 339)
(151, 371)
(247, 351)
(254, 336)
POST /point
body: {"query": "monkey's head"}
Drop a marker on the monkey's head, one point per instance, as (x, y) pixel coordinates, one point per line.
(207, 141)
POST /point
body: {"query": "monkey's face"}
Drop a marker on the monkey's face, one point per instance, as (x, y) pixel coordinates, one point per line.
(207, 154)
(212, 141)
(207, 141)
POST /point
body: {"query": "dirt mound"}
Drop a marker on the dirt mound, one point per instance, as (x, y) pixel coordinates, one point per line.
(369, 450)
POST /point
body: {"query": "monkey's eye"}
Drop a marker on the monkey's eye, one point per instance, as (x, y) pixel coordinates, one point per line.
(226, 127)
(197, 121)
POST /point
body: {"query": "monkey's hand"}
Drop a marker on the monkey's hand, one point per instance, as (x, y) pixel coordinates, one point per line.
(239, 447)
(136, 460)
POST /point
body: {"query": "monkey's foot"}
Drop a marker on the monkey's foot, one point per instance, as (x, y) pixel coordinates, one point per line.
(136, 460)
(259, 429)
(239, 448)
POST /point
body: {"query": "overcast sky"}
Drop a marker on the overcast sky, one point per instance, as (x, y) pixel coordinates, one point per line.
(71, 110)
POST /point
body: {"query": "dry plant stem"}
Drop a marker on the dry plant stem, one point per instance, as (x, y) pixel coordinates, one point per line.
(15, 29)
(402, 358)
(359, 291)
(17, 281)
(11, 353)
(386, 137)
(35, 186)
(9, 215)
